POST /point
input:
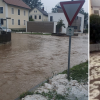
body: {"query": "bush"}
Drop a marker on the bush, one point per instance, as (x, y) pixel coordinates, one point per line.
(95, 28)
(85, 31)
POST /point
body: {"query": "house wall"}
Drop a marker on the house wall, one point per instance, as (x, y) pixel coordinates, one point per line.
(95, 8)
(95, 2)
(90, 10)
(58, 16)
(17, 17)
(33, 13)
(95, 5)
(7, 12)
(3, 16)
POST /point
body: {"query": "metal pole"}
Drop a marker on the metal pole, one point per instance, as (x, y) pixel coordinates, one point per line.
(68, 73)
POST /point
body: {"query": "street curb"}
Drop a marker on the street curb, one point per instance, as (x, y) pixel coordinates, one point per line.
(33, 89)
(37, 86)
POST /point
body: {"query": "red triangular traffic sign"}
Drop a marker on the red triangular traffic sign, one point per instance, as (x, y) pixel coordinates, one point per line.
(71, 9)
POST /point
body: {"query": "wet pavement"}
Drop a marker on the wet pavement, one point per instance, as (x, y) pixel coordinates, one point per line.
(95, 76)
(30, 59)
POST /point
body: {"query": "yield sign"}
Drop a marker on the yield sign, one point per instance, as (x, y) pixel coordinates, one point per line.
(71, 9)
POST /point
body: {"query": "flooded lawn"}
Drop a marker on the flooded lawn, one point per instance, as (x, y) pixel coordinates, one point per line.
(95, 76)
(30, 59)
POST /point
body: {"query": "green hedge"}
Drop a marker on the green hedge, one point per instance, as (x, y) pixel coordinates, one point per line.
(95, 28)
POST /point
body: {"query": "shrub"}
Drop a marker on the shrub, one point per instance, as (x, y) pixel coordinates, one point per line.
(95, 28)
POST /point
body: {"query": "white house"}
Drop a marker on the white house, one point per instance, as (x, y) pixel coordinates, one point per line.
(95, 7)
(55, 17)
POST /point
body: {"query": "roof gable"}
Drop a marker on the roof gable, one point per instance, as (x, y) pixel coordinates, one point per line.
(18, 3)
(42, 11)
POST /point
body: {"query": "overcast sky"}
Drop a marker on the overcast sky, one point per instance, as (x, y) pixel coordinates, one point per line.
(49, 4)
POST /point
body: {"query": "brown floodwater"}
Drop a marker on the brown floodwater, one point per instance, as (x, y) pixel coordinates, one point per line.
(30, 59)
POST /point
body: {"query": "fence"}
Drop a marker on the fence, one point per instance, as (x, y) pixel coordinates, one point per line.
(40, 27)
(94, 47)
(5, 38)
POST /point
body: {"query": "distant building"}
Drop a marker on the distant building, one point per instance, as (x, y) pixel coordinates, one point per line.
(78, 23)
(95, 7)
(17, 10)
(90, 9)
(38, 14)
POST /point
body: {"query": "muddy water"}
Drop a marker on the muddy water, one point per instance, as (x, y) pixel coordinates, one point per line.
(30, 59)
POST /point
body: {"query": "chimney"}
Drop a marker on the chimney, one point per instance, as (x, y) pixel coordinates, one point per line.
(43, 8)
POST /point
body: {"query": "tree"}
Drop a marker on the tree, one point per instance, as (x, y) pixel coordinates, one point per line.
(60, 24)
(31, 19)
(33, 3)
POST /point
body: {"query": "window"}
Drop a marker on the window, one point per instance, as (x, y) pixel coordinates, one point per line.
(30, 17)
(1, 21)
(24, 22)
(51, 18)
(12, 10)
(75, 27)
(35, 17)
(12, 21)
(24, 12)
(18, 22)
(1, 9)
(96, 12)
(18, 12)
(39, 16)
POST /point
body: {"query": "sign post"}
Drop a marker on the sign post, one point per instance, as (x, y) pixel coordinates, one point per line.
(71, 9)
(70, 32)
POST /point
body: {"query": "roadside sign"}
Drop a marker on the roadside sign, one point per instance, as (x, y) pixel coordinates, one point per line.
(71, 9)
(70, 31)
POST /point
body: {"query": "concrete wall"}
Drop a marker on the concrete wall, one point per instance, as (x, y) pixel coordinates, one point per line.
(47, 27)
(37, 13)
(94, 47)
(58, 16)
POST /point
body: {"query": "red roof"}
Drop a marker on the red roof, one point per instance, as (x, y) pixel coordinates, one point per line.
(19, 3)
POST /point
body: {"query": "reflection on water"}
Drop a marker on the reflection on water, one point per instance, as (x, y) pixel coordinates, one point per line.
(30, 59)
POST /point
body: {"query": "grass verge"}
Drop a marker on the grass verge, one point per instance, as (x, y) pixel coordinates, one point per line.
(39, 33)
(79, 72)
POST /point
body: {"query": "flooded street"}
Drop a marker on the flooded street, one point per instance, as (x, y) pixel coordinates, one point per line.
(30, 59)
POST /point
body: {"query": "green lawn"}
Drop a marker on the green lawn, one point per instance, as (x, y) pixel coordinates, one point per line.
(79, 72)
(39, 33)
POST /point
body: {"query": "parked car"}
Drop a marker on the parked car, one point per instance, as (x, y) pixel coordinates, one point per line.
(3, 30)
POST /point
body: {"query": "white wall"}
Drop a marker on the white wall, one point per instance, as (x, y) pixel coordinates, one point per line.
(90, 10)
(95, 8)
(58, 16)
(38, 13)
(95, 3)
